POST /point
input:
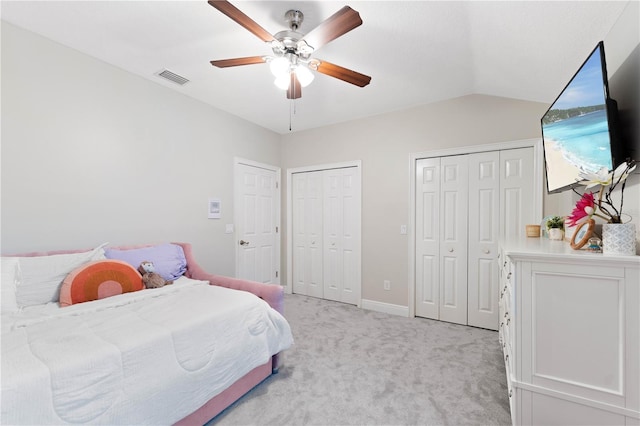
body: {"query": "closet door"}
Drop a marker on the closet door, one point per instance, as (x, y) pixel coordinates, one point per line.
(342, 235)
(307, 233)
(484, 233)
(427, 233)
(454, 196)
(516, 187)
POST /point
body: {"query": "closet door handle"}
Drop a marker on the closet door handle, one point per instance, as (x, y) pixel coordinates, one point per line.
(451, 250)
(244, 243)
(487, 251)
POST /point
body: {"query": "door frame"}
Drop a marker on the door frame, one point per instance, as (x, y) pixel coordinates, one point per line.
(237, 161)
(536, 144)
(289, 226)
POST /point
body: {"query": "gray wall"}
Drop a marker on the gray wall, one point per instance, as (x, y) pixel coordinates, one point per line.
(622, 50)
(93, 153)
(384, 144)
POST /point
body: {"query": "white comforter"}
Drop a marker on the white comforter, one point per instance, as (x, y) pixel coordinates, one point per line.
(149, 357)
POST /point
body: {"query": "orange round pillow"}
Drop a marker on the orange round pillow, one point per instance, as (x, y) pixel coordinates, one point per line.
(99, 279)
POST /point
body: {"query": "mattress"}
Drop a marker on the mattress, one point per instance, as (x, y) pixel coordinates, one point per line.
(148, 357)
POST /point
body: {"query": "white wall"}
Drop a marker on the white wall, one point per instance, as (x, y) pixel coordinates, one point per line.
(622, 50)
(91, 153)
(384, 144)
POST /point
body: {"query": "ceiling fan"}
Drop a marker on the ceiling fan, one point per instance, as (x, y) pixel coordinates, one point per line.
(291, 59)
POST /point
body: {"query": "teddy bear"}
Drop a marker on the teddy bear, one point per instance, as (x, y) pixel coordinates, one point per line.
(150, 278)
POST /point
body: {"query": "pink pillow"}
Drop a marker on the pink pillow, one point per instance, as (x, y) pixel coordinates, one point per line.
(99, 279)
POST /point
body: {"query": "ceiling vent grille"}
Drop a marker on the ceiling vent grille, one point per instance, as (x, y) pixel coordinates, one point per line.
(171, 76)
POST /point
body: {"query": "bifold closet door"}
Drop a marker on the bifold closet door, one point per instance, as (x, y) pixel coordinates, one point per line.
(342, 235)
(464, 205)
(516, 187)
(441, 238)
(484, 222)
(307, 233)
(427, 232)
(454, 201)
(326, 234)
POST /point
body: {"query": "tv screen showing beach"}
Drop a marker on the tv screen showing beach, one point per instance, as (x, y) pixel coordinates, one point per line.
(575, 130)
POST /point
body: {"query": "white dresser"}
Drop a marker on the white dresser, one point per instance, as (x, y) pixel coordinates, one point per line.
(570, 332)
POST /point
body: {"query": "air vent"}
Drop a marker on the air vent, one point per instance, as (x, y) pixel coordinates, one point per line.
(171, 76)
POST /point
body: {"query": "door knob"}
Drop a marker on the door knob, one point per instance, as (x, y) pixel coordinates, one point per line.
(487, 251)
(244, 243)
(450, 250)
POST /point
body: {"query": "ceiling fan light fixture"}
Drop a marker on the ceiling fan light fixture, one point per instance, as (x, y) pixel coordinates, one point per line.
(282, 81)
(280, 66)
(305, 77)
(291, 63)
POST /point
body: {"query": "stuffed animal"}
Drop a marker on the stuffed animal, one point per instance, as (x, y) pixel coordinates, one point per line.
(150, 278)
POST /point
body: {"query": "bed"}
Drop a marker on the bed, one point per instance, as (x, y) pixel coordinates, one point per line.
(179, 354)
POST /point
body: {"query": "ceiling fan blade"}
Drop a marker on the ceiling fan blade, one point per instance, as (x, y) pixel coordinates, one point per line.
(295, 89)
(234, 13)
(341, 73)
(249, 60)
(333, 27)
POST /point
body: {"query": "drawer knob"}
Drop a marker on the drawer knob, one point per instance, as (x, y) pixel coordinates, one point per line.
(451, 250)
(487, 251)
(509, 276)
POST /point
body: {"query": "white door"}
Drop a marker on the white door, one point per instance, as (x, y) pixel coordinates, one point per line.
(484, 233)
(453, 238)
(307, 212)
(257, 216)
(427, 238)
(342, 235)
(516, 193)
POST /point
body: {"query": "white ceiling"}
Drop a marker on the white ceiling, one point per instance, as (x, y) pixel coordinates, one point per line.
(417, 52)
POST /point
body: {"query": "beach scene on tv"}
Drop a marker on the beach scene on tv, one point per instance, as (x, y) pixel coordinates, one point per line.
(575, 130)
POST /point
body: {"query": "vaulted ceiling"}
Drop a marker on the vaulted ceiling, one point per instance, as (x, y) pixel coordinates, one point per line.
(417, 52)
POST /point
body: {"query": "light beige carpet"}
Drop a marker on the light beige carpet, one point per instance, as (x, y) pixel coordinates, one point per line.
(350, 366)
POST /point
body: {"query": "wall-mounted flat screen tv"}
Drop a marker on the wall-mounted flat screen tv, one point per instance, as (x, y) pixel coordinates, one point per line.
(578, 130)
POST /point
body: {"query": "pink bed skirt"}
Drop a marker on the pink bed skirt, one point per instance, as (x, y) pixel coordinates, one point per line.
(218, 403)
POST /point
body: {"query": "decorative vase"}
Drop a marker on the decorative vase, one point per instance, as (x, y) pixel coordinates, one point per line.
(556, 234)
(619, 239)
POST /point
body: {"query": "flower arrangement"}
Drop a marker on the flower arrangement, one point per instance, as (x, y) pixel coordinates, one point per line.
(602, 207)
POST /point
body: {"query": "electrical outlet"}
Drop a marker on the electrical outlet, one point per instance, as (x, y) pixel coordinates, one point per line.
(387, 284)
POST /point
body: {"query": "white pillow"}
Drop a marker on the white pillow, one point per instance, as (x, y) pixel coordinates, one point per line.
(42, 276)
(9, 279)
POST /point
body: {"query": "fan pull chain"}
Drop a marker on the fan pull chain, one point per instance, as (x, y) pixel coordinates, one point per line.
(292, 112)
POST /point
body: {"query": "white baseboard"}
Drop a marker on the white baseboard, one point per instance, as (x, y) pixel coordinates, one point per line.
(386, 308)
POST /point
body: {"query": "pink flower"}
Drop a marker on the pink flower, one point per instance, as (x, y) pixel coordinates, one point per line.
(585, 208)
